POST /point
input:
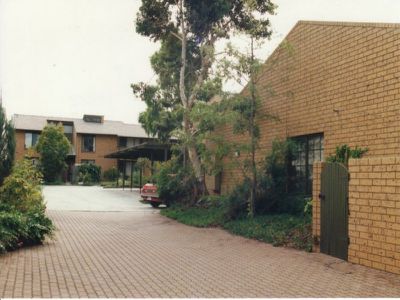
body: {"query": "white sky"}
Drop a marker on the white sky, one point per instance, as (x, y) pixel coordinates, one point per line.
(71, 57)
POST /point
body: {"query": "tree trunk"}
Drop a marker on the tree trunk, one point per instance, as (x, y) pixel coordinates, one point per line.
(252, 201)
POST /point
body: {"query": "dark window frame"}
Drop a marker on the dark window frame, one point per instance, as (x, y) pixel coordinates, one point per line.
(83, 148)
(122, 142)
(309, 153)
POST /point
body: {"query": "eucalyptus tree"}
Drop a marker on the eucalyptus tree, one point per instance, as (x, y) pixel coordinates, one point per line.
(188, 31)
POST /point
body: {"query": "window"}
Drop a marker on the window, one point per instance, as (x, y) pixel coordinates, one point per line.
(31, 139)
(310, 150)
(122, 141)
(88, 161)
(88, 143)
(67, 126)
(68, 131)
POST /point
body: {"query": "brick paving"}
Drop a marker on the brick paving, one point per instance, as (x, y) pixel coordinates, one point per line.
(142, 254)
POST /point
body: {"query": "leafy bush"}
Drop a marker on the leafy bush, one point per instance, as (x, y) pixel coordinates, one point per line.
(343, 153)
(111, 174)
(18, 229)
(7, 145)
(89, 173)
(235, 205)
(53, 147)
(21, 190)
(22, 210)
(175, 183)
(277, 183)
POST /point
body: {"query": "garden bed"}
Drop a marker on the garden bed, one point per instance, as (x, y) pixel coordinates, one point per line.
(277, 229)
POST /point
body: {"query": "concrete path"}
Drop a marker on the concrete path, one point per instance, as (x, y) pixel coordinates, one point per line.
(92, 198)
(139, 253)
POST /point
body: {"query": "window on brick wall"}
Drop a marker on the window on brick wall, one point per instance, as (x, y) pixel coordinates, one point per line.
(88, 143)
(31, 139)
(88, 161)
(310, 150)
(122, 142)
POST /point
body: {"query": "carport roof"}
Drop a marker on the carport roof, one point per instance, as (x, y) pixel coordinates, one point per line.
(151, 150)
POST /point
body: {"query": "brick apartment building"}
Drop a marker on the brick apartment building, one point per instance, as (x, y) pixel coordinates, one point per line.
(339, 84)
(92, 138)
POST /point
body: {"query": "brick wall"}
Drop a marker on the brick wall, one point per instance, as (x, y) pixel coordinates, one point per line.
(374, 220)
(104, 144)
(341, 79)
(316, 211)
(374, 206)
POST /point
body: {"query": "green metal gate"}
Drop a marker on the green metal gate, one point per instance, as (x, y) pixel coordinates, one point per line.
(334, 210)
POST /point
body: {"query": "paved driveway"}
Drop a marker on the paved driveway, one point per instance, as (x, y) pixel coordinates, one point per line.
(139, 253)
(92, 198)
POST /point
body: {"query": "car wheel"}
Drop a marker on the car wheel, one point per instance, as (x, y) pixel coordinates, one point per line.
(155, 204)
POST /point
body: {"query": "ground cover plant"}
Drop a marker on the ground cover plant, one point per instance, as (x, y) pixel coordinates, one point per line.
(23, 220)
(283, 216)
(276, 229)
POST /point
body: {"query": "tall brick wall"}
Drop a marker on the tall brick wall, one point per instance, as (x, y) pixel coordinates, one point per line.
(341, 79)
(374, 206)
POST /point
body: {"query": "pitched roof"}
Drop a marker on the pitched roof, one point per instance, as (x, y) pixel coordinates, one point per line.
(37, 123)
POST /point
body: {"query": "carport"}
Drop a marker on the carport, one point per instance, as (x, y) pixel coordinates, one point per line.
(151, 150)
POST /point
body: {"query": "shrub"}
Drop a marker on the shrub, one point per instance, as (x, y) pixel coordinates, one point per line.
(18, 229)
(7, 145)
(22, 210)
(111, 174)
(175, 183)
(21, 190)
(277, 185)
(53, 147)
(235, 205)
(89, 173)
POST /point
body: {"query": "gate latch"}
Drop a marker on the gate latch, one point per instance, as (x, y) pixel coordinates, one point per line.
(321, 196)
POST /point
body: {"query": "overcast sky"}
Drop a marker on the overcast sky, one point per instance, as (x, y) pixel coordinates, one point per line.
(71, 57)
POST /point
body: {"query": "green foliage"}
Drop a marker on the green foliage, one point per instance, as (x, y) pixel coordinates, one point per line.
(175, 183)
(22, 210)
(23, 229)
(155, 18)
(7, 145)
(279, 230)
(89, 173)
(22, 189)
(111, 174)
(278, 184)
(343, 153)
(196, 216)
(53, 147)
(308, 207)
(188, 32)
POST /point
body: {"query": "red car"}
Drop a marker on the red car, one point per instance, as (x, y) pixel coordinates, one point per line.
(149, 195)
